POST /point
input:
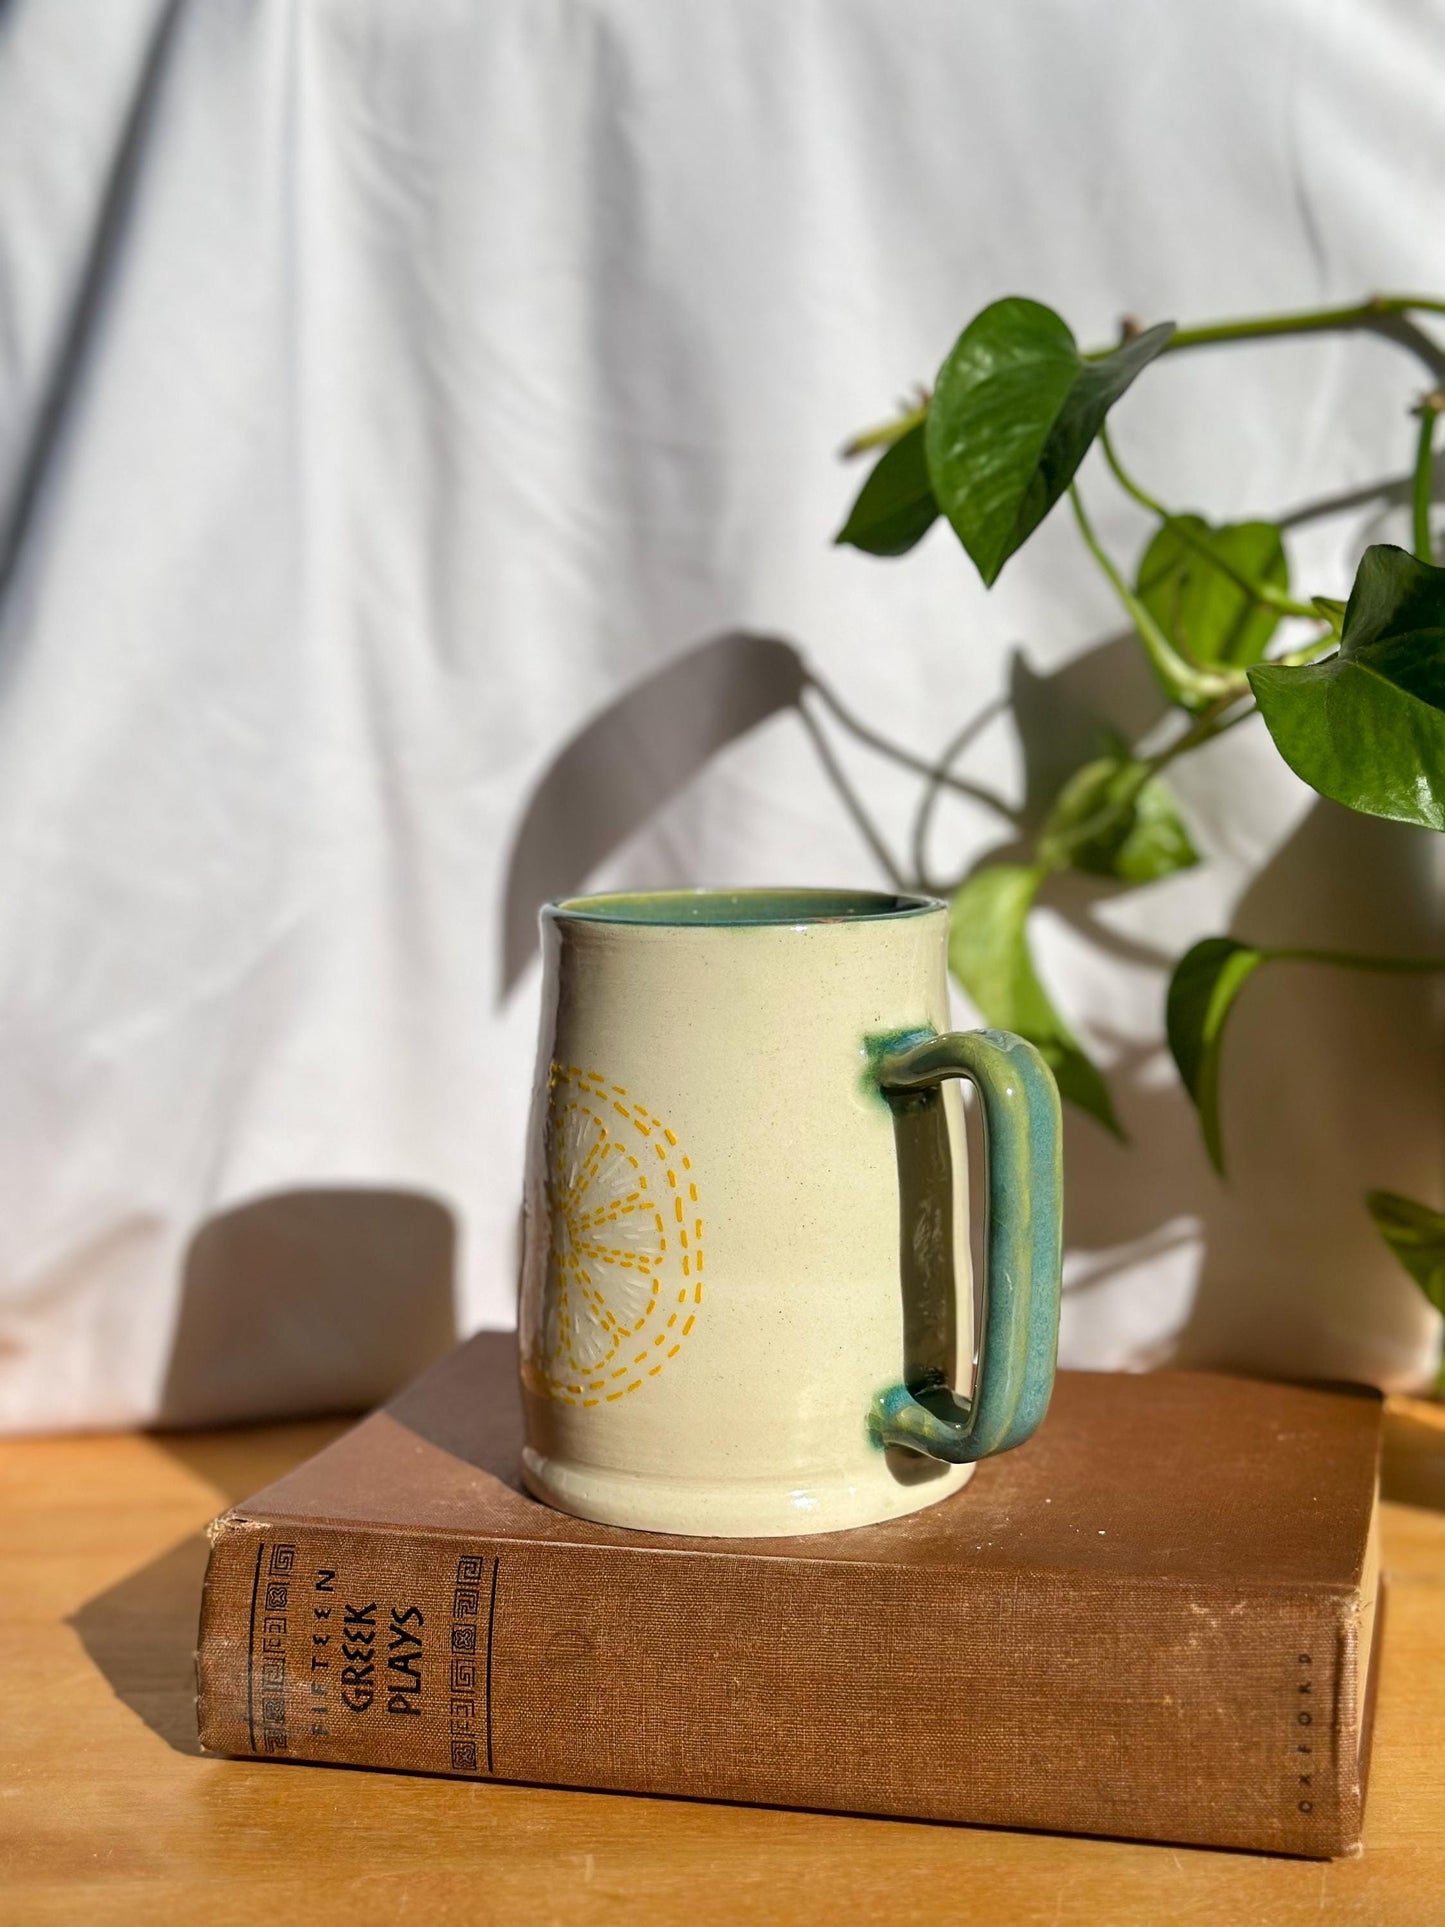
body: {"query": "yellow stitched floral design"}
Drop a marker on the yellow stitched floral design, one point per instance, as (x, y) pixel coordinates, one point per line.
(624, 1258)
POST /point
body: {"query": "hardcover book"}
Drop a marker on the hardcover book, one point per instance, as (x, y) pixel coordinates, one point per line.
(1155, 1620)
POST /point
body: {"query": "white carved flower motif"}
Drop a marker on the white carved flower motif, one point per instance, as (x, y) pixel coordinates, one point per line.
(624, 1262)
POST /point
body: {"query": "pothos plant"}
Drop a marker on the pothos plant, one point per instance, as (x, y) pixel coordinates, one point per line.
(1352, 692)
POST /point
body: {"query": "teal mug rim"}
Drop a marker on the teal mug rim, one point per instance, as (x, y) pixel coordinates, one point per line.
(721, 909)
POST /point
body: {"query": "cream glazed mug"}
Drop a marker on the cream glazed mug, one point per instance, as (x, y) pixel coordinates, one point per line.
(744, 1285)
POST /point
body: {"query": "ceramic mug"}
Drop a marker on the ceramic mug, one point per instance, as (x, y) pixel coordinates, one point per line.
(743, 1300)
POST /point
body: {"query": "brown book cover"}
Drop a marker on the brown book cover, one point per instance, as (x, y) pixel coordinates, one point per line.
(1155, 1620)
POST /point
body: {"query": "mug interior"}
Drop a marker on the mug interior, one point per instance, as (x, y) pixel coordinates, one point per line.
(682, 908)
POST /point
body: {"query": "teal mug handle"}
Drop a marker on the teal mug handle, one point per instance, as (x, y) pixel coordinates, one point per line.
(1023, 1246)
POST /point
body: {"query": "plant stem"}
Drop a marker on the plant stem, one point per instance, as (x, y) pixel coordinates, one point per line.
(1126, 480)
(1241, 715)
(1353, 960)
(1265, 592)
(885, 434)
(1430, 407)
(1186, 683)
(1387, 315)
(1302, 321)
(1206, 726)
(1324, 645)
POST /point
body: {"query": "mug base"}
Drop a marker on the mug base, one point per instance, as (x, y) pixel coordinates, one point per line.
(745, 1509)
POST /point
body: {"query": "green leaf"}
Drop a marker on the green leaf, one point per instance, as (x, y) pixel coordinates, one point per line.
(988, 952)
(1202, 610)
(1106, 823)
(895, 507)
(1416, 1235)
(1202, 992)
(1366, 727)
(1013, 413)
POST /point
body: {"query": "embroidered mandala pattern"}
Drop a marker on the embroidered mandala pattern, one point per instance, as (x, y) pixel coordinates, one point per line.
(624, 1258)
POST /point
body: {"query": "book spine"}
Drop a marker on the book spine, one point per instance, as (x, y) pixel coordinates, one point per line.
(1070, 1703)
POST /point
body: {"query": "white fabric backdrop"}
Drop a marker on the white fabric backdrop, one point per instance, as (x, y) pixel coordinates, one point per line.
(385, 384)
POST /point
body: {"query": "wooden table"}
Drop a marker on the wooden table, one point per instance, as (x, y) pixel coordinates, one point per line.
(107, 1812)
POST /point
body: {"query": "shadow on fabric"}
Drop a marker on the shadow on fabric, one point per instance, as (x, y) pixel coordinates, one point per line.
(310, 1301)
(624, 764)
(87, 304)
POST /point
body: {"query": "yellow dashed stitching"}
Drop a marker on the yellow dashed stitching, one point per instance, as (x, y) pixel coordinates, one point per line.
(580, 1272)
